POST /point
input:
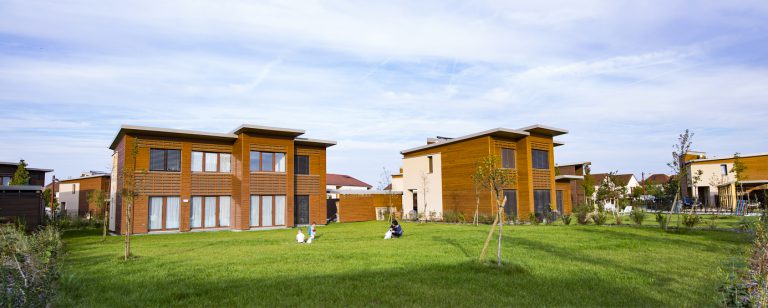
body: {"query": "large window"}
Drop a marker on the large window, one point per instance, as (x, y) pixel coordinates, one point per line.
(542, 200)
(164, 160)
(267, 161)
(540, 159)
(302, 164)
(559, 197)
(508, 158)
(210, 211)
(211, 162)
(510, 207)
(164, 213)
(267, 211)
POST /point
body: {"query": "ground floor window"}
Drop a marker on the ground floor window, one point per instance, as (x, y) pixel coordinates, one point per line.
(267, 211)
(510, 207)
(210, 211)
(560, 202)
(301, 210)
(542, 200)
(164, 213)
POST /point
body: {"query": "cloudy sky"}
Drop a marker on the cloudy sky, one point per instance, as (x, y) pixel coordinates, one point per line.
(382, 76)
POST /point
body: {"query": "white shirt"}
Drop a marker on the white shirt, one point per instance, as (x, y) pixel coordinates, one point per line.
(300, 237)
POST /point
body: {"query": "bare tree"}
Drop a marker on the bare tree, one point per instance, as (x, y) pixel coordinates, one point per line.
(385, 180)
(129, 194)
(495, 179)
(479, 187)
(677, 165)
(425, 190)
(98, 198)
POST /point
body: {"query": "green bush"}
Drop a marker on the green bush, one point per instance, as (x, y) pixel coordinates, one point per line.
(532, 218)
(65, 222)
(600, 218)
(661, 218)
(453, 217)
(637, 215)
(691, 220)
(582, 212)
(485, 218)
(566, 219)
(29, 265)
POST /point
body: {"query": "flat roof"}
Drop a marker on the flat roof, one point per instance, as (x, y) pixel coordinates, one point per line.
(21, 187)
(545, 130)
(85, 177)
(573, 164)
(268, 130)
(568, 177)
(157, 131)
(314, 142)
(363, 192)
(28, 168)
(727, 157)
(499, 132)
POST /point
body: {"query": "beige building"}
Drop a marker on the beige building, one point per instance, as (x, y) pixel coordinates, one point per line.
(712, 182)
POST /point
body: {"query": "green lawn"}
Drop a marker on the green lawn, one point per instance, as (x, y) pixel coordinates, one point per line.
(434, 264)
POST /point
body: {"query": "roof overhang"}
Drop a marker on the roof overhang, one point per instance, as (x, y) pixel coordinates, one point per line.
(725, 158)
(557, 143)
(21, 187)
(314, 142)
(496, 132)
(168, 132)
(545, 130)
(363, 192)
(268, 130)
(86, 177)
(568, 177)
(584, 163)
(28, 168)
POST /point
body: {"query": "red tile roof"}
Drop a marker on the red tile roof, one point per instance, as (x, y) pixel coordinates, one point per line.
(344, 180)
(658, 178)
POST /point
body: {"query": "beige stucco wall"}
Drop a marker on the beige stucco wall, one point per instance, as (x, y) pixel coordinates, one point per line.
(711, 177)
(415, 171)
(69, 195)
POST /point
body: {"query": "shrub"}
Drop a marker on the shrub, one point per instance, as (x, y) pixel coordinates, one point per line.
(566, 219)
(532, 218)
(453, 217)
(637, 215)
(550, 217)
(617, 218)
(691, 220)
(662, 220)
(712, 223)
(65, 222)
(582, 212)
(600, 218)
(485, 218)
(29, 265)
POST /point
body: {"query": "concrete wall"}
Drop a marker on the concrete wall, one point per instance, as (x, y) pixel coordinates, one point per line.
(69, 197)
(415, 172)
(711, 177)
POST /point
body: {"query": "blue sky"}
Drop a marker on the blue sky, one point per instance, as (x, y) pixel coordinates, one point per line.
(623, 77)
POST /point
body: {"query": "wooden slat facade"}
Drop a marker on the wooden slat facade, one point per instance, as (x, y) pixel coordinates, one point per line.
(362, 207)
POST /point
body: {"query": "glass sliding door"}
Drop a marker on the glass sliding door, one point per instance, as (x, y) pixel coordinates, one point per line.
(279, 210)
(172, 212)
(155, 213)
(255, 211)
(266, 211)
(224, 205)
(196, 219)
(209, 220)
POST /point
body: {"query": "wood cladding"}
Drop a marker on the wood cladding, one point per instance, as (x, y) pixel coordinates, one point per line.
(156, 183)
(307, 184)
(211, 183)
(542, 179)
(362, 207)
(267, 183)
(267, 147)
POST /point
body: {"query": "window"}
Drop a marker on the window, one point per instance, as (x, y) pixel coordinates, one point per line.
(6, 180)
(211, 162)
(224, 209)
(267, 161)
(225, 160)
(540, 159)
(197, 161)
(164, 160)
(164, 213)
(209, 219)
(510, 208)
(559, 197)
(267, 211)
(541, 201)
(724, 169)
(302, 164)
(508, 158)
(196, 219)
(210, 211)
(431, 168)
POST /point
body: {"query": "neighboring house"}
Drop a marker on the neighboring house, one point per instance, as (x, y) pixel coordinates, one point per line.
(255, 177)
(36, 175)
(437, 177)
(658, 179)
(573, 173)
(628, 181)
(73, 193)
(717, 185)
(365, 205)
(335, 182)
(22, 203)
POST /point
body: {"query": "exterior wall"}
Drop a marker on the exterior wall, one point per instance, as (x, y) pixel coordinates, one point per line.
(36, 178)
(632, 184)
(68, 196)
(22, 205)
(362, 207)
(240, 183)
(565, 187)
(711, 177)
(417, 167)
(75, 193)
(397, 182)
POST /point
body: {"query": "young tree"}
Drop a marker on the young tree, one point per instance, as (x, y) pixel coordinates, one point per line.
(21, 176)
(385, 180)
(478, 183)
(47, 195)
(677, 165)
(739, 168)
(425, 190)
(695, 180)
(495, 179)
(98, 199)
(588, 185)
(129, 194)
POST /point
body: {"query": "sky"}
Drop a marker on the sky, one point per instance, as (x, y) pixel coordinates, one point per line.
(378, 77)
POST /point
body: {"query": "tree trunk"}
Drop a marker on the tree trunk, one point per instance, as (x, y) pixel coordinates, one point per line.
(488, 239)
(498, 251)
(128, 230)
(477, 209)
(106, 221)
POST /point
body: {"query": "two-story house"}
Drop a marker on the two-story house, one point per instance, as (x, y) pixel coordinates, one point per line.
(73, 193)
(713, 182)
(437, 177)
(255, 177)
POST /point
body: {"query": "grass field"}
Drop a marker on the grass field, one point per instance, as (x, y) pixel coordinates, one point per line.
(434, 264)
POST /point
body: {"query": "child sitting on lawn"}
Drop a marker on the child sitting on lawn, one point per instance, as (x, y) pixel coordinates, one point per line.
(397, 230)
(300, 237)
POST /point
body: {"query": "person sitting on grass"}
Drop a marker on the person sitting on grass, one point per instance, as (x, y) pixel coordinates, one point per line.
(397, 230)
(311, 231)
(300, 237)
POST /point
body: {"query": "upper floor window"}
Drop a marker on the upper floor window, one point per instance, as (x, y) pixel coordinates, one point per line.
(431, 165)
(267, 161)
(302, 164)
(6, 180)
(540, 159)
(164, 160)
(508, 158)
(724, 169)
(211, 162)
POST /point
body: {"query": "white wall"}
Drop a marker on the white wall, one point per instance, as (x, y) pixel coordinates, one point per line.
(113, 193)
(415, 171)
(69, 195)
(711, 177)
